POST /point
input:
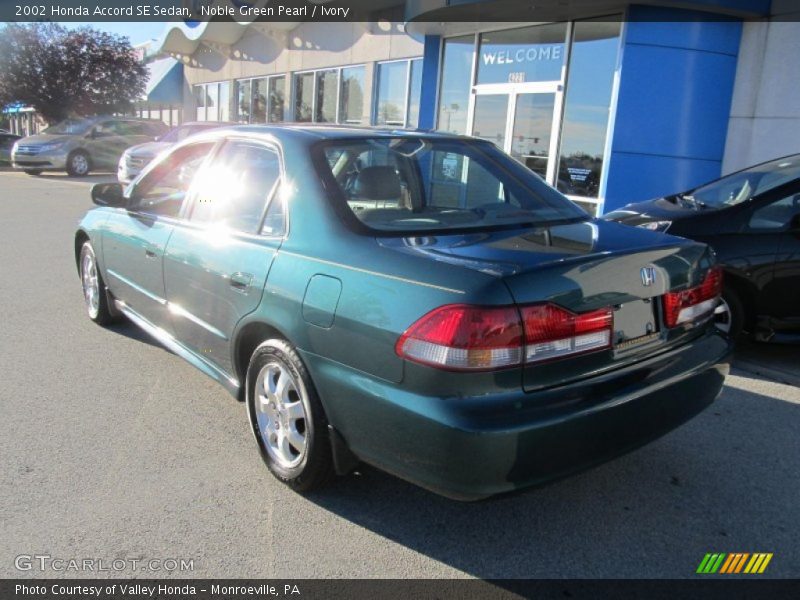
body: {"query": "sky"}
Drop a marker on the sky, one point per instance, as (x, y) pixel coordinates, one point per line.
(136, 32)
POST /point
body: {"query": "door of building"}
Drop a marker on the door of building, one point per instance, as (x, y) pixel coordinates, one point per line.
(521, 119)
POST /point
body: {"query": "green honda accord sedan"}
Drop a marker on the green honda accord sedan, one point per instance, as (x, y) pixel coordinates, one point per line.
(415, 301)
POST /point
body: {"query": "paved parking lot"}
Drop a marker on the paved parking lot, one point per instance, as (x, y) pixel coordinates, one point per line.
(114, 448)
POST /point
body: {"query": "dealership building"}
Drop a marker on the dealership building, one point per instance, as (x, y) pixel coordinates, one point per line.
(611, 101)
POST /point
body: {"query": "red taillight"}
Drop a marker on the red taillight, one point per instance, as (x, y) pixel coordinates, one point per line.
(553, 332)
(462, 337)
(689, 305)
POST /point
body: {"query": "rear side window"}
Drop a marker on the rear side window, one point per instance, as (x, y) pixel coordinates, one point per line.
(233, 192)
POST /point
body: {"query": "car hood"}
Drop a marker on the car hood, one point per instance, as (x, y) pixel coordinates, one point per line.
(148, 149)
(39, 139)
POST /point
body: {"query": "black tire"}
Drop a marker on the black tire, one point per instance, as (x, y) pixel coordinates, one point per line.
(79, 163)
(732, 319)
(315, 468)
(100, 312)
(33, 172)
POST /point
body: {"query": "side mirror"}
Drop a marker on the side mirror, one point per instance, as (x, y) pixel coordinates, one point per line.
(108, 194)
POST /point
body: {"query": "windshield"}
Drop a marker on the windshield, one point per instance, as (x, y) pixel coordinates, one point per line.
(69, 127)
(180, 133)
(417, 184)
(741, 186)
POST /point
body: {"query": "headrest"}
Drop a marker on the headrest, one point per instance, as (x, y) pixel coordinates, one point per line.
(377, 183)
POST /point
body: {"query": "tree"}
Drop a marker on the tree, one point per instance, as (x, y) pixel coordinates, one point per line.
(61, 72)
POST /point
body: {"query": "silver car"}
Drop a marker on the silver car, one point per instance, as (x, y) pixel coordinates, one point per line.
(80, 145)
(136, 158)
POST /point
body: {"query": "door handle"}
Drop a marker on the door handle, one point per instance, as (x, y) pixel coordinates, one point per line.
(241, 281)
(150, 253)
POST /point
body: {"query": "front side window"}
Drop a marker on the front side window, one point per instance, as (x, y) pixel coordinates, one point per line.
(162, 191)
(422, 184)
(233, 191)
(777, 215)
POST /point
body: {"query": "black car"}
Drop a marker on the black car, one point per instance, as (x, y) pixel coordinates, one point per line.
(752, 219)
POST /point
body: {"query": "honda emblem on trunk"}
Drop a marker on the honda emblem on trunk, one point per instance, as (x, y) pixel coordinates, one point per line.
(648, 276)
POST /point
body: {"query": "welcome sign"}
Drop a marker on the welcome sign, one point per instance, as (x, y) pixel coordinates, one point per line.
(502, 63)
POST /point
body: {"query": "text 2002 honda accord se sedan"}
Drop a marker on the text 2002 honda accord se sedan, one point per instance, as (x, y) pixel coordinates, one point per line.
(416, 301)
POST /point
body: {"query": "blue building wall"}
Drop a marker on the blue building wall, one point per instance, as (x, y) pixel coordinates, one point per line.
(431, 58)
(676, 84)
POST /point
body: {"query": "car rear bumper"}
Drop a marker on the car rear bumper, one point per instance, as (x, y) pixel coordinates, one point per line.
(471, 448)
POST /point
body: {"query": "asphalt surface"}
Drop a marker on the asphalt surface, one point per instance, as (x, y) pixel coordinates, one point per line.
(114, 448)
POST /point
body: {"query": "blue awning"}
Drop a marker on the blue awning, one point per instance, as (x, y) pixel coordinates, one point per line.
(165, 82)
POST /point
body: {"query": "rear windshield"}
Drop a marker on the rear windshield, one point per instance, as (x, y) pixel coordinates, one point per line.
(419, 184)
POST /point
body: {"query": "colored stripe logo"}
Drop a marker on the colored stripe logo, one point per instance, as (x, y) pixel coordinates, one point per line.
(735, 562)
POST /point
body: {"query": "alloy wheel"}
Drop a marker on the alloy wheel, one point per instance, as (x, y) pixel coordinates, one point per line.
(722, 316)
(80, 164)
(91, 285)
(281, 415)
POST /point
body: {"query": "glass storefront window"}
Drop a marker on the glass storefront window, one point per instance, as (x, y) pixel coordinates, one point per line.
(391, 101)
(200, 102)
(212, 100)
(327, 93)
(243, 101)
(351, 103)
(277, 87)
(258, 102)
(522, 55)
(455, 83)
(303, 97)
(587, 106)
(224, 101)
(414, 93)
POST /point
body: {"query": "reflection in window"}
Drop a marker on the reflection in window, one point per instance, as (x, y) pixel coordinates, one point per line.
(303, 97)
(391, 103)
(258, 103)
(200, 102)
(352, 95)
(414, 94)
(243, 101)
(212, 99)
(327, 84)
(277, 86)
(224, 101)
(587, 104)
(520, 55)
(398, 92)
(455, 84)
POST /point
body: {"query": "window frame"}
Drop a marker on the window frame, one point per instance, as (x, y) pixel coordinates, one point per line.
(220, 100)
(269, 198)
(268, 79)
(314, 107)
(407, 101)
(181, 213)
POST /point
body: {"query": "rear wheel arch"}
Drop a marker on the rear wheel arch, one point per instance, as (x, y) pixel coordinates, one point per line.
(746, 293)
(81, 237)
(250, 337)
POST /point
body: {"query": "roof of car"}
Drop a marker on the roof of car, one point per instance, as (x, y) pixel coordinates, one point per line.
(328, 132)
